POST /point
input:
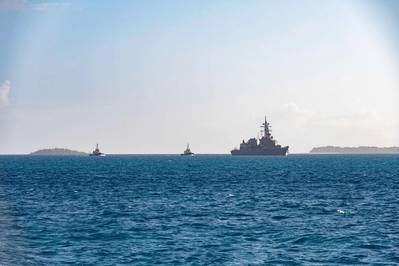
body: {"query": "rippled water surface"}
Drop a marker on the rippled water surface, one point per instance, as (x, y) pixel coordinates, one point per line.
(220, 210)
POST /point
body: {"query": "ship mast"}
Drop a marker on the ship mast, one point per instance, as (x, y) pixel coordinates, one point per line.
(266, 129)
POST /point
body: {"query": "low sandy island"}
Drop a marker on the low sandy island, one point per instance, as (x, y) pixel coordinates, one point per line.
(58, 152)
(355, 150)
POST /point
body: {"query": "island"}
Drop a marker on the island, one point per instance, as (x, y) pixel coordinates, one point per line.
(58, 152)
(355, 150)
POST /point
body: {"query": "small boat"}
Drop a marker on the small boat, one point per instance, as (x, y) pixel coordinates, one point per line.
(97, 152)
(187, 152)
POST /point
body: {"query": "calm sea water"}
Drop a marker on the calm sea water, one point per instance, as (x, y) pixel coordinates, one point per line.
(220, 210)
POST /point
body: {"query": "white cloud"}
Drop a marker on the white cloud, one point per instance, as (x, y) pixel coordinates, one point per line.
(47, 6)
(5, 89)
(304, 128)
(304, 118)
(296, 115)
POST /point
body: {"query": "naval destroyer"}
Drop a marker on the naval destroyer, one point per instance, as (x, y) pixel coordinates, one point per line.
(265, 146)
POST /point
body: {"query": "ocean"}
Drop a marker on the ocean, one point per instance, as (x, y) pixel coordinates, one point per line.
(201, 210)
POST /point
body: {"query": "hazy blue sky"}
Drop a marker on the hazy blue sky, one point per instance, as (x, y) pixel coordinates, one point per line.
(150, 76)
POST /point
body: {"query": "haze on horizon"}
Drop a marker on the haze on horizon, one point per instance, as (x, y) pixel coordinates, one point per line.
(150, 76)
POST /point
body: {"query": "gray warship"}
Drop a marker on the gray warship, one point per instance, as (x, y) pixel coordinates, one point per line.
(266, 146)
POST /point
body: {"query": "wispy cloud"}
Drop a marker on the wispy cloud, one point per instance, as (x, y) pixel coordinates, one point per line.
(5, 89)
(304, 118)
(15, 5)
(356, 128)
(45, 6)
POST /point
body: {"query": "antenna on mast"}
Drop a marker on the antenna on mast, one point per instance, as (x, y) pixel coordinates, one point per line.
(266, 129)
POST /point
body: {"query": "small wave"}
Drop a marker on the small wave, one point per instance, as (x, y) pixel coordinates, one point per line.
(300, 241)
(279, 217)
(343, 212)
(373, 246)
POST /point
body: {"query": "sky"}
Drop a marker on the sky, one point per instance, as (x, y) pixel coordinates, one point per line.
(151, 76)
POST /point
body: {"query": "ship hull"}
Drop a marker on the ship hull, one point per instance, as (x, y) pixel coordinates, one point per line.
(187, 154)
(264, 152)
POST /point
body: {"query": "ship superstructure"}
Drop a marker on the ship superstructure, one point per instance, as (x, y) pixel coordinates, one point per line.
(187, 151)
(97, 152)
(266, 145)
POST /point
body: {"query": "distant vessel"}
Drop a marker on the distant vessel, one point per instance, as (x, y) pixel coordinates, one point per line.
(97, 152)
(187, 152)
(266, 146)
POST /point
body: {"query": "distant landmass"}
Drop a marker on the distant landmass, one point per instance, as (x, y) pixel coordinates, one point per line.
(356, 150)
(58, 152)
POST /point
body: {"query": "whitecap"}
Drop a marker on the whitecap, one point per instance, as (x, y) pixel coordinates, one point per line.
(341, 211)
